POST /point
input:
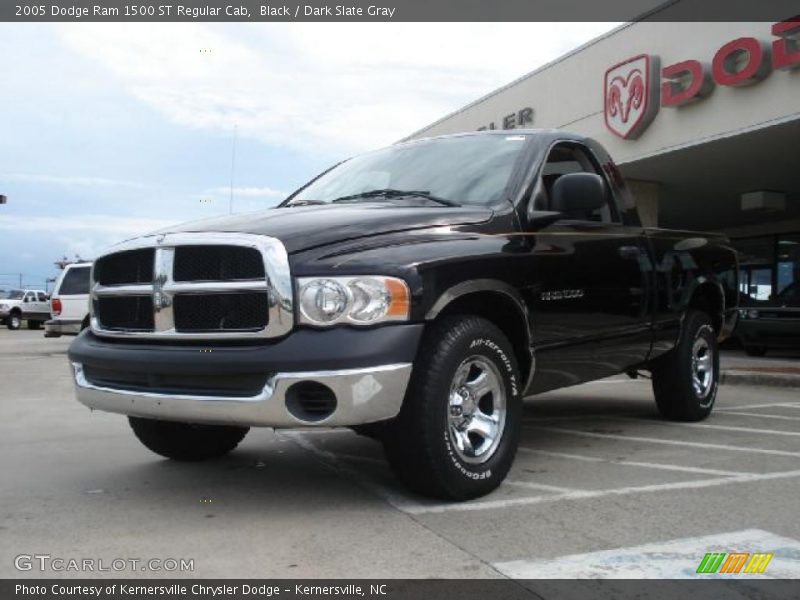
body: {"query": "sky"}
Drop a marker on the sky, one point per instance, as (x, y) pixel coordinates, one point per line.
(108, 131)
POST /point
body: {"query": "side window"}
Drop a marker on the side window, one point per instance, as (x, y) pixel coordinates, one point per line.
(29, 297)
(572, 158)
(42, 296)
(76, 281)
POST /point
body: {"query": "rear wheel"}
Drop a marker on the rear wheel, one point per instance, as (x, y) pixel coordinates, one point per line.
(14, 321)
(34, 324)
(755, 350)
(185, 441)
(685, 380)
(458, 430)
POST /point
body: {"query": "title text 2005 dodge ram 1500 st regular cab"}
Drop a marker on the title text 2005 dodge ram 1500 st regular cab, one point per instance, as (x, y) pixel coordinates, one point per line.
(417, 294)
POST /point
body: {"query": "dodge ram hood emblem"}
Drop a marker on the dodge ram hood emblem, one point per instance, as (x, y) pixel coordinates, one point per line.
(631, 96)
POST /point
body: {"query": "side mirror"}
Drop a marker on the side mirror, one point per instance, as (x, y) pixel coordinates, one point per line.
(580, 193)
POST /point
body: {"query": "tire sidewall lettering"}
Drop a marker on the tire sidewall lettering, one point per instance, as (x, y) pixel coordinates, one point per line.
(493, 351)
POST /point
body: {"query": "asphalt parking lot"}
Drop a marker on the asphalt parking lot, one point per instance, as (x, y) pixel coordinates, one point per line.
(601, 488)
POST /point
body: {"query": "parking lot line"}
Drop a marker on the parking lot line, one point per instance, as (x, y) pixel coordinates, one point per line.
(388, 495)
(580, 417)
(590, 494)
(749, 406)
(762, 416)
(541, 486)
(701, 425)
(650, 440)
(414, 507)
(358, 458)
(670, 559)
(630, 463)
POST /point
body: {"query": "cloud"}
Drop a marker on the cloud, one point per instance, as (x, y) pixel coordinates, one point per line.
(247, 192)
(107, 225)
(69, 181)
(313, 86)
(86, 235)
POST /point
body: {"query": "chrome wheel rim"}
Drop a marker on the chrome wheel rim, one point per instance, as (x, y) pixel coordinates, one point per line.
(476, 409)
(702, 367)
(16, 322)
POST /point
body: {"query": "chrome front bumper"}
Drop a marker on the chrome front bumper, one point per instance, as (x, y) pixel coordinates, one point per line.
(362, 396)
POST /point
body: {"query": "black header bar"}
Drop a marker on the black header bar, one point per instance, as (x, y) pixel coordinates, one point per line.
(395, 10)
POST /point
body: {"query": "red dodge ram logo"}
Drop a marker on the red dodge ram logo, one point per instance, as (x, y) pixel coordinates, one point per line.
(630, 104)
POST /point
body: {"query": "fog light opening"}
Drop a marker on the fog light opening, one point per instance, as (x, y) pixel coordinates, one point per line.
(310, 401)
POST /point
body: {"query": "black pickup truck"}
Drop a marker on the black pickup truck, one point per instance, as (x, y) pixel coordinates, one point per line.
(416, 294)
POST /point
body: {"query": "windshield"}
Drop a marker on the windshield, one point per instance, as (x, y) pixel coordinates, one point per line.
(12, 295)
(472, 169)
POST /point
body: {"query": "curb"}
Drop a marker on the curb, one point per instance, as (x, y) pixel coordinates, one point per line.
(756, 378)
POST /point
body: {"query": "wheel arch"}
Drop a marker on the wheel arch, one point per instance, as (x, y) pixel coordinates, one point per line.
(498, 302)
(709, 297)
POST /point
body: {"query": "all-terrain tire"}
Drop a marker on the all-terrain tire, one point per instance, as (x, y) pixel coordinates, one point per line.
(685, 380)
(185, 441)
(422, 443)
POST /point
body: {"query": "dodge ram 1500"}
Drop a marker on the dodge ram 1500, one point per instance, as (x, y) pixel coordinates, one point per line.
(416, 294)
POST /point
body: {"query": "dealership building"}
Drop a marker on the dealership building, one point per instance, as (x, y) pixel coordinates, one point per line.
(702, 118)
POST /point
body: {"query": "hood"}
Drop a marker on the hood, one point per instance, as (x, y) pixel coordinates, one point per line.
(305, 227)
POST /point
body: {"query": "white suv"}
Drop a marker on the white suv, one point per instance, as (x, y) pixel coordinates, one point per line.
(69, 303)
(24, 305)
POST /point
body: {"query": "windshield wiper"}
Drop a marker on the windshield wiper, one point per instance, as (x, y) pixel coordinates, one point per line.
(393, 193)
(300, 202)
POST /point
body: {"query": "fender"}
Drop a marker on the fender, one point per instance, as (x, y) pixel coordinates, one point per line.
(489, 285)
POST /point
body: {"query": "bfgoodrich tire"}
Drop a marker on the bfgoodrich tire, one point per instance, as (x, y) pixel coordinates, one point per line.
(184, 441)
(458, 430)
(685, 380)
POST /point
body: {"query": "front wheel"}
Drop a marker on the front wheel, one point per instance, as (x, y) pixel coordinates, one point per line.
(14, 321)
(185, 441)
(458, 430)
(685, 380)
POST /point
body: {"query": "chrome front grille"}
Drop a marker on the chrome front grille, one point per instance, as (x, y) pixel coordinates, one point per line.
(217, 263)
(193, 286)
(130, 266)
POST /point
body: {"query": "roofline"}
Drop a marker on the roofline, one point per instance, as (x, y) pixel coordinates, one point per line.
(518, 80)
(544, 131)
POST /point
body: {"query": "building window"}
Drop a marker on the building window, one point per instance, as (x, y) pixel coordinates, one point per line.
(768, 266)
(788, 267)
(756, 264)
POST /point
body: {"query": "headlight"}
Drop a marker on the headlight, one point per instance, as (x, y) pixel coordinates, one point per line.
(363, 300)
(3, 306)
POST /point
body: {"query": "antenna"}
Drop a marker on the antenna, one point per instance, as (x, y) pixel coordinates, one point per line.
(233, 162)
